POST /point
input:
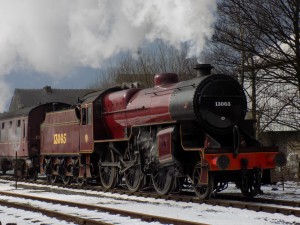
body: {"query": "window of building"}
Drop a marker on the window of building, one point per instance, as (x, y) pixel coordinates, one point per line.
(3, 132)
(18, 129)
(24, 129)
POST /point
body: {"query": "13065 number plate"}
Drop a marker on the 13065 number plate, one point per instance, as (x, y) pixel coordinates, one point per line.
(222, 104)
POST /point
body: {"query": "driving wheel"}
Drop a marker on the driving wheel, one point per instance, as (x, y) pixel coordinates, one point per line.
(108, 173)
(133, 176)
(163, 180)
(203, 191)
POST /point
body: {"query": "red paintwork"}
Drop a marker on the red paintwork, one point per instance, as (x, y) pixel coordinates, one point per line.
(165, 145)
(114, 111)
(86, 138)
(60, 133)
(134, 107)
(165, 79)
(264, 160)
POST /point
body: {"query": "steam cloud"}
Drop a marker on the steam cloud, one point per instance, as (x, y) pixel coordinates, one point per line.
(54, 37)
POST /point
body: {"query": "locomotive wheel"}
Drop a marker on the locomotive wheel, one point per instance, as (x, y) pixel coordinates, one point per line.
(33, 174)
(52, 178)
(162, 181)
(66, 179)
(249, 192)
(80, 181)
(4, 166)
(251, 185)
(133, 176)
(108, 174)
(202, 191)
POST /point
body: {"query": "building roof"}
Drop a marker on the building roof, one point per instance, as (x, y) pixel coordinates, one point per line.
(24, 112)
(24, 98)
(16, 113)
(92, 96)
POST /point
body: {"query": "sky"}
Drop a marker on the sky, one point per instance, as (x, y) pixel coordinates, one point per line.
(65, 43)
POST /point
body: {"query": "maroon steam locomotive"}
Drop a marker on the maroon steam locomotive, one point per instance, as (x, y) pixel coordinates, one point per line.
(174, 135)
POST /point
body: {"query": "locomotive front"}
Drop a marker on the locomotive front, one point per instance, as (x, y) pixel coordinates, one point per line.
(211, 111)
(217, 102)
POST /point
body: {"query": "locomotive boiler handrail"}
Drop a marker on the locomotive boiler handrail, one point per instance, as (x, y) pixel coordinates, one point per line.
(170, 89)
(213, 96)
(125, 110)
(236, 140)
(59, 124)
(131, 128)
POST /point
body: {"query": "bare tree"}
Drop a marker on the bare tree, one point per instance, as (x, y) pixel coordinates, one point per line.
(141, 67)
(259, 40)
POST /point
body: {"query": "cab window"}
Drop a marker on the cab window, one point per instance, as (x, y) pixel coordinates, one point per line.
(89, 115)
(83, 116)
(86, 115)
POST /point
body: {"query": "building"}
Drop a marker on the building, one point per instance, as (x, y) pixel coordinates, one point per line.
(278, 114)
(24, 98)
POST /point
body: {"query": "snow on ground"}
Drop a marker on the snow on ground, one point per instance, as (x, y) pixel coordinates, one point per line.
(203, 213)
(282, 191)
(287, 191)
(10, 215)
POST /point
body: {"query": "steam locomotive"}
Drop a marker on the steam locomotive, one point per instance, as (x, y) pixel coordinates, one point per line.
(175, 135)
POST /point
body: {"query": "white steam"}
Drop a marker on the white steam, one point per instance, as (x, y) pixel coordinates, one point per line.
(52, 37)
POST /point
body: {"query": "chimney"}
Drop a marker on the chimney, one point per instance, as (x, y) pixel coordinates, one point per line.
(47, 89)
(203, 69)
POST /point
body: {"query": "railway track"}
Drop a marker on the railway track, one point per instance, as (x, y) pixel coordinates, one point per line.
(79, 219)
(51, 213)
(234, 201)
(235, 197)
(264, 206)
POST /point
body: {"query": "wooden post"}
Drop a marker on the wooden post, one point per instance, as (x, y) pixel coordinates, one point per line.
(16, 170)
